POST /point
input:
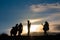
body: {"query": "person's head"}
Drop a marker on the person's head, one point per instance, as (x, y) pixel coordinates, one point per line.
(16, 24)
(46, 22)
(20, 23)
(28, 20)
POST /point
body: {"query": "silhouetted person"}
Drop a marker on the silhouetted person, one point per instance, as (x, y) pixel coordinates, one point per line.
(20, 28)
(13, 31)
(16, 29)
(29, 24)
(46, 27)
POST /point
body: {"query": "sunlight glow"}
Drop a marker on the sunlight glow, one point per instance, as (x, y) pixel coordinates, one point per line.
(34, 28)
(35, 20)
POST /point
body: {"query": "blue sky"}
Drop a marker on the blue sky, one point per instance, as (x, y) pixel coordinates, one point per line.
(16, 11)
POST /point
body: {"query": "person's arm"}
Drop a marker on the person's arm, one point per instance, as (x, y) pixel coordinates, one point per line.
(41, 23)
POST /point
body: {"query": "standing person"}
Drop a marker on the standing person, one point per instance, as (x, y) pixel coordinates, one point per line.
(20, 28)
(16, 29)
(46, 27)
(13, 31)
(29, 24)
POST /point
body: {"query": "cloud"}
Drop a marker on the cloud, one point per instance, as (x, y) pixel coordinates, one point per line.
(52, 18)
(43, 7)
(57, 26)
(35, 20)
(37, 8)
(54, 5)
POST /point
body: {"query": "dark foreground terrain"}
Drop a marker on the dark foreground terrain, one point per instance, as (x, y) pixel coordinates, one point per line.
(44, 37)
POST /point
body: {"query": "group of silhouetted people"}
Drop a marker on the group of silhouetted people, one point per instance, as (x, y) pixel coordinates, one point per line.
(18, 28)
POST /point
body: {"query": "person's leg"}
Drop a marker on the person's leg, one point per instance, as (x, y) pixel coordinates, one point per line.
(45, 32)
(19, 33)
(11, 34)
(14, 34)
(28, 31)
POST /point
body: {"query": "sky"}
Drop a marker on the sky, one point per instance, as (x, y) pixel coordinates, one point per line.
(37, 11)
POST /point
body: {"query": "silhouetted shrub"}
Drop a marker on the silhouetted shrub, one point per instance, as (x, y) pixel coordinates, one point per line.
(3, 35)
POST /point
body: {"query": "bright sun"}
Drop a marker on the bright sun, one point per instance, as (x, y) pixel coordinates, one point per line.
(33, 28)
